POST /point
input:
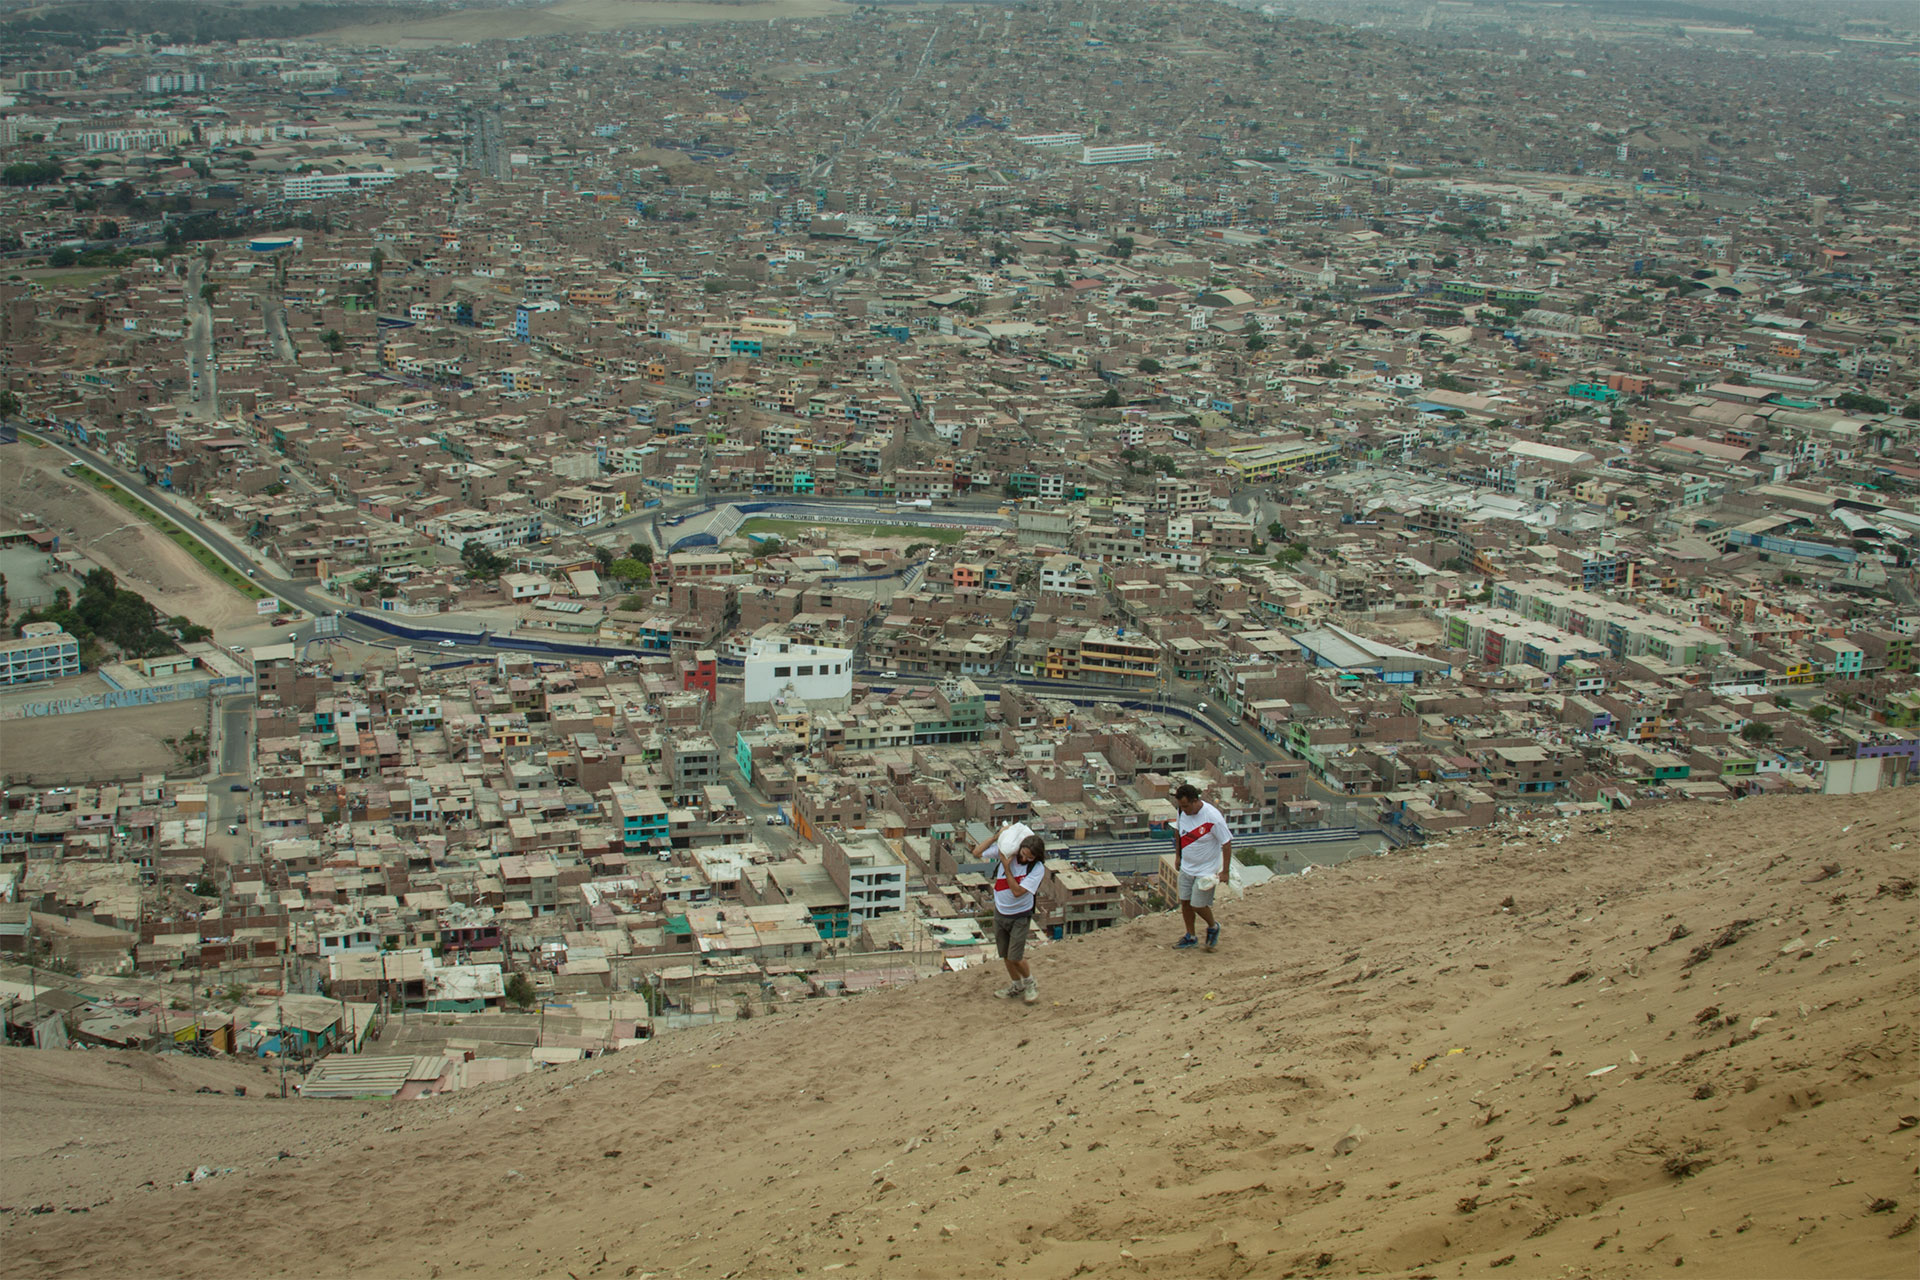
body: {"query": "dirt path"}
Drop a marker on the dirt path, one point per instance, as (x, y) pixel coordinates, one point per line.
(138, 555)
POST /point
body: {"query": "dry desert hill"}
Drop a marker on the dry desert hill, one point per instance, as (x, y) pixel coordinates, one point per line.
(1677, 1041)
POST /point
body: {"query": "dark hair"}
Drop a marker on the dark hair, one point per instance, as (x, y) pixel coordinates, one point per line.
(1186, 791)
(1034, 845)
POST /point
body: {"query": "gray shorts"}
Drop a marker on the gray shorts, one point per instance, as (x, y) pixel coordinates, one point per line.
(1192, 896)
(1010, 935)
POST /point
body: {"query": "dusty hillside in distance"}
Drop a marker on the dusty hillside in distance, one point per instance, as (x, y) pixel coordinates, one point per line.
(1678, 1041)
(571, 17)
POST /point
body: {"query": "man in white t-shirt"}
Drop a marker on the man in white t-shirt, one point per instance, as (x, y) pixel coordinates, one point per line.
(1016, 881)
(1206, 862)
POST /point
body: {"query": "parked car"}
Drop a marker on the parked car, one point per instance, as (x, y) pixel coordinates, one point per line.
(446, 644)
(239, 786)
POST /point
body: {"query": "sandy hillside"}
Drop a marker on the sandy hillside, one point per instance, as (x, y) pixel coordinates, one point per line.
(570, 17)
(1677, 1041)
(139, 556)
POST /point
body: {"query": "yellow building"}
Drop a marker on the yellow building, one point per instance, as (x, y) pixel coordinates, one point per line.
(1258, 463)
(1111, 655)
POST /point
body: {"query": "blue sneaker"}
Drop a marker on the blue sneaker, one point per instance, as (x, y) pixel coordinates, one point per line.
(1213, 936)
(1187, 942)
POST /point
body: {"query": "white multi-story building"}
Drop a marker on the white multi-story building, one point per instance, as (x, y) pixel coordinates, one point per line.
(314, 73)
(177, 82)
(1067, 575)
(813, 672)
(865, 866)
(43, 652)
(1051, 139)
(491, 529)
(318, 186)
(213, 134)
(151, 138)
(1123, 153)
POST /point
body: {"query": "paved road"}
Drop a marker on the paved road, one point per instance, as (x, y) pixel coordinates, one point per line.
(227, 809)
(275, 312)
(236, 738)
(201, 365)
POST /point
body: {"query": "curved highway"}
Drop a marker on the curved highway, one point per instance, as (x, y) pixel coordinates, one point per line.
(1235, 734)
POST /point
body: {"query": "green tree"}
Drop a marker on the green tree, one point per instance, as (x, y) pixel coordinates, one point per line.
(1258, 342)
(1148, 365)
(641, 551)
(62, 257)
(771, 546)
(1858, 402)
(480, 562)
(333, 342)
(31, 173)
(109, 612)
(9, 405)
(1121, 248)
(1755, 732)
(189, 631)
(627, 570)
(519, 991)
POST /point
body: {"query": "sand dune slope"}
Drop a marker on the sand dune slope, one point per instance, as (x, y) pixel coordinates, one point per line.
(1679, 1042)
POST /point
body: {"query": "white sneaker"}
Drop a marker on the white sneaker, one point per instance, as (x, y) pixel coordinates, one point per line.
(1031, 992)
(1009, 992)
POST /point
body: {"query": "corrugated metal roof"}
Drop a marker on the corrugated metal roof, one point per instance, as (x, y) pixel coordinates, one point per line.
(347, 1076)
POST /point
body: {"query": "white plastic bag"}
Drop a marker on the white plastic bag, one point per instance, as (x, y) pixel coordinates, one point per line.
(1013, 837)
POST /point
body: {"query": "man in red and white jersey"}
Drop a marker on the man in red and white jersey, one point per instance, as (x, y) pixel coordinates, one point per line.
(1206, 862)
